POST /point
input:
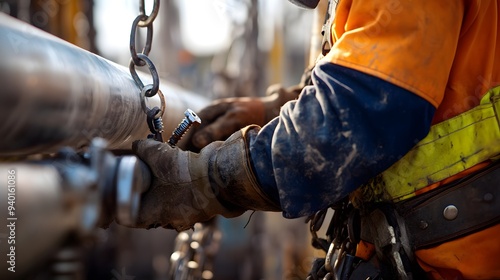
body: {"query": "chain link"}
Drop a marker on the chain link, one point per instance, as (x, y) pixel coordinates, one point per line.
(154, 74)
(142, 59)
(149, 40)
(153, 115)
(149, 19)
(194, 253)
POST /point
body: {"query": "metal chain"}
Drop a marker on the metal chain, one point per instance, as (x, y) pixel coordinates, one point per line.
(339, 244)
(194, 254)
(141, 59)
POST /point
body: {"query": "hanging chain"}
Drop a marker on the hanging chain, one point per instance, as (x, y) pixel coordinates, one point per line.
(153, 116)
(194, 253)
(339, 245)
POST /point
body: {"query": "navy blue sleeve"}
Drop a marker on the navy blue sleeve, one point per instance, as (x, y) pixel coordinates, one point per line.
(343, 130)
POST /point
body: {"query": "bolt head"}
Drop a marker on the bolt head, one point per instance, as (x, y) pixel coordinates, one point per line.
(450, 212)
(192, 117)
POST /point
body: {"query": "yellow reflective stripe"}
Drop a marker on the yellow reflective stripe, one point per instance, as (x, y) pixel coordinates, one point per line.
(450, 147)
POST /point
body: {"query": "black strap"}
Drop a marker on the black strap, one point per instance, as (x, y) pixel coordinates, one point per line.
(448, 212)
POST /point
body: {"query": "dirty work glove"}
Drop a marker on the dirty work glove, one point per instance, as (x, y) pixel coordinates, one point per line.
(226, 116)
(188, 188)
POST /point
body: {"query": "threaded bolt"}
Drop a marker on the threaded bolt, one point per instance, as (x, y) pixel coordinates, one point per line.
(189, 119)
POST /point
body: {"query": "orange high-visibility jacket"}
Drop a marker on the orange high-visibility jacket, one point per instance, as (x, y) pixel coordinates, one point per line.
(445, 51)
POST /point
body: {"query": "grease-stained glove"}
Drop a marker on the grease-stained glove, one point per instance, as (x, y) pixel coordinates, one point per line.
(188, 187)
(226, 116)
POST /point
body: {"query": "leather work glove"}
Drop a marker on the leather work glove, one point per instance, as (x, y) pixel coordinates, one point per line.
(226, 116)
(188, 187)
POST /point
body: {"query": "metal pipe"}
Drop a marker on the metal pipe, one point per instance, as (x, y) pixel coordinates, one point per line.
(40, 217)
(48, 203)
(54, 94)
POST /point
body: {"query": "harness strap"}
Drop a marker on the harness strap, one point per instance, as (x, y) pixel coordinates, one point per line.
(451, 147)
(461, 208)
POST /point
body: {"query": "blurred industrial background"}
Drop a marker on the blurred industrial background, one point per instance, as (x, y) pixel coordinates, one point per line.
(214, 48)
(197, 44)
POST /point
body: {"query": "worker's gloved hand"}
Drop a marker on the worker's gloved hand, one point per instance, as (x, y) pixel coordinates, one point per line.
(226, 116)
(188, 188)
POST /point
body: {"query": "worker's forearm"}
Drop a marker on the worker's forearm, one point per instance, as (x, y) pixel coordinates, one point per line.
(345, 129)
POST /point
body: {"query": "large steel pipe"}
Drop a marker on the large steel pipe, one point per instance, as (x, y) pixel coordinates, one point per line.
(37, 216)
(54, 94)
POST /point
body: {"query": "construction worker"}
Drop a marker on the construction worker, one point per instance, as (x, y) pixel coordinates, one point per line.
(399, 111)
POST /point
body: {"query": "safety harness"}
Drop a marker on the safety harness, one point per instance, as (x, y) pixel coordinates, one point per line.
(398, 222)
(465, 206)
(388, 213)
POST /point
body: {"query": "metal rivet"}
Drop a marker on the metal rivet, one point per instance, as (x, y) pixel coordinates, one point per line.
(423, 225)
(450, 212)
(488, 197)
